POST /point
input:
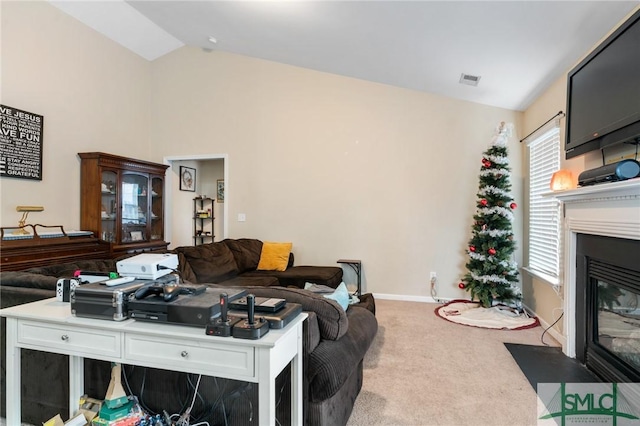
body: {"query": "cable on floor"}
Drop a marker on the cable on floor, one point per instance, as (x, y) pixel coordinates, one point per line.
(547, 329)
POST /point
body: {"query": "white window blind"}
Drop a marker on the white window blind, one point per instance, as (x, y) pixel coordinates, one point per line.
(544, 212)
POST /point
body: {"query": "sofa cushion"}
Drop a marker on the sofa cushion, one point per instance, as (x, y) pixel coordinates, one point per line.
(12, 296)
(337, 409)
(184, 269)
(68, 269)
(310, 334)
(298, 276)
(246, 252)
(211, 263)
(27, 280)
(366, 302)
(274, 256)
(243, 281)
(333, 361)
(332, 319)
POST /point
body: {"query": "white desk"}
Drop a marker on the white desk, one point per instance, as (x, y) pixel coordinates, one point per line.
(47, 325)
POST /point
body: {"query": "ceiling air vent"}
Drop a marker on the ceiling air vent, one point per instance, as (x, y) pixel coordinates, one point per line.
(468, 79)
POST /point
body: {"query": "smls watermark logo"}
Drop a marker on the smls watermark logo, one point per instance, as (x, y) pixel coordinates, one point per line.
(616, 404)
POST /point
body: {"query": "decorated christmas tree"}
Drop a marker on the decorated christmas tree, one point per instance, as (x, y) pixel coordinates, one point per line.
(492, 274)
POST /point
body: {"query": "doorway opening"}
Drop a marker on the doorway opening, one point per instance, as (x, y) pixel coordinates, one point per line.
(210, 171)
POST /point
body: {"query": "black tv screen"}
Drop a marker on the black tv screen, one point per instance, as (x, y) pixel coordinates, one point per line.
(603, 93)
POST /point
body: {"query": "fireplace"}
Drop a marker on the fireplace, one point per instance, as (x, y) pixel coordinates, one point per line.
(608, 312)
(601, 277)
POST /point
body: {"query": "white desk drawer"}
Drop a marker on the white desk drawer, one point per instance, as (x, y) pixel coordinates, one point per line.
(69, 339)
(215, 359)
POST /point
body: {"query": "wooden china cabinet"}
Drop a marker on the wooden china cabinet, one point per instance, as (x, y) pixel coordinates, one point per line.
(121, 201)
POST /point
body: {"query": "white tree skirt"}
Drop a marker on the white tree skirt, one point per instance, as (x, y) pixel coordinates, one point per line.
(473, 314)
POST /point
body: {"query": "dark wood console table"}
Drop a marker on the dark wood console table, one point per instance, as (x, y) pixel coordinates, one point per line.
(18, 252)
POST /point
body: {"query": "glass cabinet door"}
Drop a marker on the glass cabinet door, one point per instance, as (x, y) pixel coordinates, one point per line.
(109, 194)
(157, 208)
(135, 208)
(121, 202)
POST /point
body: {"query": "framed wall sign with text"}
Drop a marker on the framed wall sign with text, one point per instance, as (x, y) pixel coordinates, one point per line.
(20, 143)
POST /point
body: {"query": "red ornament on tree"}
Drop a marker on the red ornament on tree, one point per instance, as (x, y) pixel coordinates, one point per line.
(472, 248)
(487, 164)
(513, 206)
(462, 286)
(492, 251)
(484, 202)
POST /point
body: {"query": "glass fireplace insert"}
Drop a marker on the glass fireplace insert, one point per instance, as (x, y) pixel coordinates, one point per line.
(608, 307)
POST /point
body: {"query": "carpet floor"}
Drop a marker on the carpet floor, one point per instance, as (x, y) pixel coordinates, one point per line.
(422, 370)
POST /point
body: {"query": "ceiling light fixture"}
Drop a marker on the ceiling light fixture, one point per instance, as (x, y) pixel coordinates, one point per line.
(470, 80)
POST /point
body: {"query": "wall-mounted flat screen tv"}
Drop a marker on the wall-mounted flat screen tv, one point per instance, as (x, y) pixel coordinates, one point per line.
(603, 93)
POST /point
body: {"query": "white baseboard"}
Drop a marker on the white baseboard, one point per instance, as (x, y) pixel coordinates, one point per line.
(407, 298)
(545, 325)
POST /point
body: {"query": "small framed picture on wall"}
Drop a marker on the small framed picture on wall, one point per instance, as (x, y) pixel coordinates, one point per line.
(220, 192)
(187, 179)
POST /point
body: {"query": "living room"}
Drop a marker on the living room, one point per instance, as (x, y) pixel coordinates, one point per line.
(339, 166)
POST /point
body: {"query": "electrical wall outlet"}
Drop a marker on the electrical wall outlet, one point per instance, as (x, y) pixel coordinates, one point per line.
(433, 276)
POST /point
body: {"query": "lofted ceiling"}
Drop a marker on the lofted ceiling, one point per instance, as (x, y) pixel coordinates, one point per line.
(517, 48)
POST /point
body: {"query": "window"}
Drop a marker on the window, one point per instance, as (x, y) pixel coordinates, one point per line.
(544, 212)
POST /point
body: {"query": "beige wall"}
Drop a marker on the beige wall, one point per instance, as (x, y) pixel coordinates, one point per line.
(539, 295)
(341, 167)
(94, 96)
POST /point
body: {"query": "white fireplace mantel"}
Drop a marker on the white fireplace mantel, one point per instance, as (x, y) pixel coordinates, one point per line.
(608, 209)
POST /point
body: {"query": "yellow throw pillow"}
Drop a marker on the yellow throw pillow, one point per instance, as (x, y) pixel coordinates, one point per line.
(274, 256)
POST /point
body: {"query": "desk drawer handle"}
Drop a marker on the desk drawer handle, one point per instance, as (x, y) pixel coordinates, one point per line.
(64, 337)
(184, 354)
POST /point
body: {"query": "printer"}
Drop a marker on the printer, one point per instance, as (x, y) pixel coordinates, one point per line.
(148, 266)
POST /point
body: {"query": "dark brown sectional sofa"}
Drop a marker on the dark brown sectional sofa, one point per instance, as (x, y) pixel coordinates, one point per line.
(237, 260)
(335, 342)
